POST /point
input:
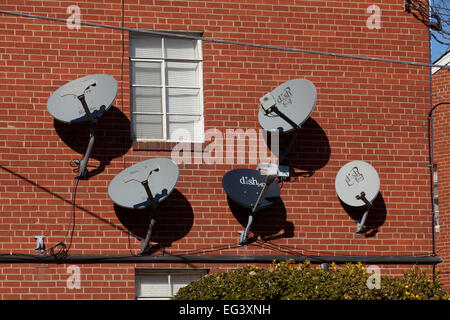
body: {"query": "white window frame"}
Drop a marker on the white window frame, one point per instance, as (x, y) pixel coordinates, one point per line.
(199, 136)
(437, 226)
(145, 274)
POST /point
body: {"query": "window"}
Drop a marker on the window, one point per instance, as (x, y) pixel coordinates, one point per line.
(162, 284)
(166, 88)
(436, 198)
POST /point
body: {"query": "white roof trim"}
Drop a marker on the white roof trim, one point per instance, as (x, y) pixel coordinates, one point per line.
(444, 60)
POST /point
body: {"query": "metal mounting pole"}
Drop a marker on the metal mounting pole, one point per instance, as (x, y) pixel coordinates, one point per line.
(83, 163)
(281, 115)
(142, 177)
(93, 127)
(274, 108)
(85, 107)
(270, 177)
(360, 226)
(145, 242)
(244, 234)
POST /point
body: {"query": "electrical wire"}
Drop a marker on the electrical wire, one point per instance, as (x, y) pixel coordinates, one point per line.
(205, 250)
(301, 252)
(431, 164)
(61, 250)
(231, 42)
(288, 250)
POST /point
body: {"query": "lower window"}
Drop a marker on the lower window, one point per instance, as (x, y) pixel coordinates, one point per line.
(163, 284)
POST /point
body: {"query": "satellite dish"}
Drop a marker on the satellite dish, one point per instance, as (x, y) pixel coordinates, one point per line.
(285, 109)
(80, 100)
(358, 184)
(288, 106)
(145, 184)
(98, 91)
(252, 189)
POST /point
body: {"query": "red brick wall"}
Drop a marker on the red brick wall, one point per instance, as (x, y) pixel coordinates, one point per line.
(369, 111)
(441, 116)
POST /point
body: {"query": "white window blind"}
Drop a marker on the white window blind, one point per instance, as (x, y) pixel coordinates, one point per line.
(166, 88)
(156, 284)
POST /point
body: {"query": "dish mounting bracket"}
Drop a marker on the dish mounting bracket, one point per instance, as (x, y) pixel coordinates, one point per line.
(142, 177)
(271, 172)
(360, 225)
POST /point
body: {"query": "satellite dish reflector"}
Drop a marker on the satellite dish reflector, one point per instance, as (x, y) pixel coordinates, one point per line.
(145, 184)
(244, 186)
(285, 109)
(83, 99)
(77, 88)
(126, 188)
(358, 184)
(98, 91)
(288, 106)
(251, 189)
(354, 178)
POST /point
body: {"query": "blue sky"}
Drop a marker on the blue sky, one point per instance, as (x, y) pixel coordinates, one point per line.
(438, 49)
(442, 9)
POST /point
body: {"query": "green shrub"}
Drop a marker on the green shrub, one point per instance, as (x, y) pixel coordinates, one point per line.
(283, 281)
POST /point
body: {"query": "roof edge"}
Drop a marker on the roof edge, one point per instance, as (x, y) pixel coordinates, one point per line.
(442, 60)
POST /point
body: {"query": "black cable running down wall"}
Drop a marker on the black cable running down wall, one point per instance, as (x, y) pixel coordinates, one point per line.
(222, 259)
(431, 163)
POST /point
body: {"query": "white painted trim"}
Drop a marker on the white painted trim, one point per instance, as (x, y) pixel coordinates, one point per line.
(444, 60)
